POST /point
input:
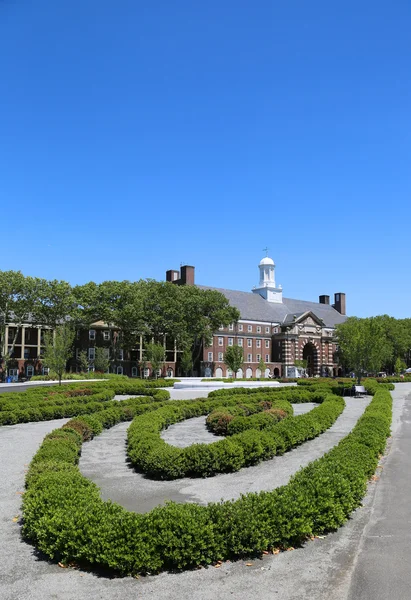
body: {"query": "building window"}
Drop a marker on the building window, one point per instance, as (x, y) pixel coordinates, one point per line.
(134, 371)
(26, 353)
(231, 327)
(106, 336)
(250, 328)
(267, 343)
(240, 342)
(249, 343)
(29, 370)
(210, 357)
(45, 370)
(220, 328)
(258, 343)
(267, 330)
(107, 352)
(221, 341)
(220, 357)
(258, 329)
(119, 370)
(267, 358)
(91, 353)
(121, 354)
(249, 357)
(230, 341)
(258, 357)
(91, 334)
(240, 327)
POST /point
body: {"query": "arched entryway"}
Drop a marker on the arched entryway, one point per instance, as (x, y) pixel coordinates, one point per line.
(310, 354)
(276, 372)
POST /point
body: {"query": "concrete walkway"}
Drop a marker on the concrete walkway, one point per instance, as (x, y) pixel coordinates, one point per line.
(103, 460)
(335, 567)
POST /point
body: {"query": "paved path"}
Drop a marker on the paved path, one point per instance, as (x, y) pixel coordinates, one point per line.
(335, 567)
(103, 460)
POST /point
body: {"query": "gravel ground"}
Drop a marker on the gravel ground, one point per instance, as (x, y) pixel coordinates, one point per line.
(103, 461)
(332, 567)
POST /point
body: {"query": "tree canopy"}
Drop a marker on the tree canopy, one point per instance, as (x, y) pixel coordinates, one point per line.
(373, 344)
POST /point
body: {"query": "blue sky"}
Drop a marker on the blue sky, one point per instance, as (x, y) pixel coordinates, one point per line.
(135, 136)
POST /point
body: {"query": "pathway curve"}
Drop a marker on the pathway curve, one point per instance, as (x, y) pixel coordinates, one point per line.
(103, 461)
(194, 431)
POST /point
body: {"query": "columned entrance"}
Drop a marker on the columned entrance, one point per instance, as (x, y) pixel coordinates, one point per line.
(310, 354)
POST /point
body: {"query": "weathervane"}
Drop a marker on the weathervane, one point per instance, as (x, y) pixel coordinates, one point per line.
(266, 251)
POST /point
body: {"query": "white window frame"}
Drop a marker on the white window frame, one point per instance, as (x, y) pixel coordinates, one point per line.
(120, 354)
(267, 343)
(91, 334)
(231, 327)
(267, 358)
(107, 352)
(106, 335)
(31, 369)
(119, 370)
(134, 372)
(249, 358)
(220, 357)
(258, 343)
(92, 353)
(230, 341)
(210, 357)
(221, 341)
(258, 328)
(240, 327)
(267, 330)
(250, 328)
(249, 343)
(45, 370)
(240, 342)
(258, 357)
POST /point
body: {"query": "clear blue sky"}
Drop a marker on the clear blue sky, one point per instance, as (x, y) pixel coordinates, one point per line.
(138, 135)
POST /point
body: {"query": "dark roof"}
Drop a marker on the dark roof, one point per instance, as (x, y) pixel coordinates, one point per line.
(253, 307)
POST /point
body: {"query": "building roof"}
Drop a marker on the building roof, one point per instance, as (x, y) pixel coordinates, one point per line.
(253, 307)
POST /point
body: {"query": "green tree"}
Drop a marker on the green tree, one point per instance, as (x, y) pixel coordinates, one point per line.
(155, 354)
(186, 361)
(101, 360)
(58, 349)
(400, 366)
(363, 345)
(83, 361)
(233, 358)
(262, 366)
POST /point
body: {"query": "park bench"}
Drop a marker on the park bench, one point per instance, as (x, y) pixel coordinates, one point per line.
(359, 390)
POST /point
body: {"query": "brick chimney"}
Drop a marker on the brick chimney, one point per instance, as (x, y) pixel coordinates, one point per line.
(324, 299)
(172, 275)
(339, 303)
(183, 277)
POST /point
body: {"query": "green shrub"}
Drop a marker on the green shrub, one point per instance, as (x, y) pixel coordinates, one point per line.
(67, 520)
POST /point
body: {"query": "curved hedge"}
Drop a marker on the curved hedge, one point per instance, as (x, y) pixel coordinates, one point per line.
(149, 453)
(67, 520)
(234, 419)
(43, 404)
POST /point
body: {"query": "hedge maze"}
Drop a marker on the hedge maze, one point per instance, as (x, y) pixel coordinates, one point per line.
(67, 520)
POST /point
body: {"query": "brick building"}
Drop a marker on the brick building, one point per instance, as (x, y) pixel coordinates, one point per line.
(275, 329)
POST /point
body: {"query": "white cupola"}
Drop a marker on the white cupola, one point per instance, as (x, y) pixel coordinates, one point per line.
(266, 288)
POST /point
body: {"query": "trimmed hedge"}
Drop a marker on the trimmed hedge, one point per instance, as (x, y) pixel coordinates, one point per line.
(66, 519)
(46, 403)
(230, 420)
(149, 453)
